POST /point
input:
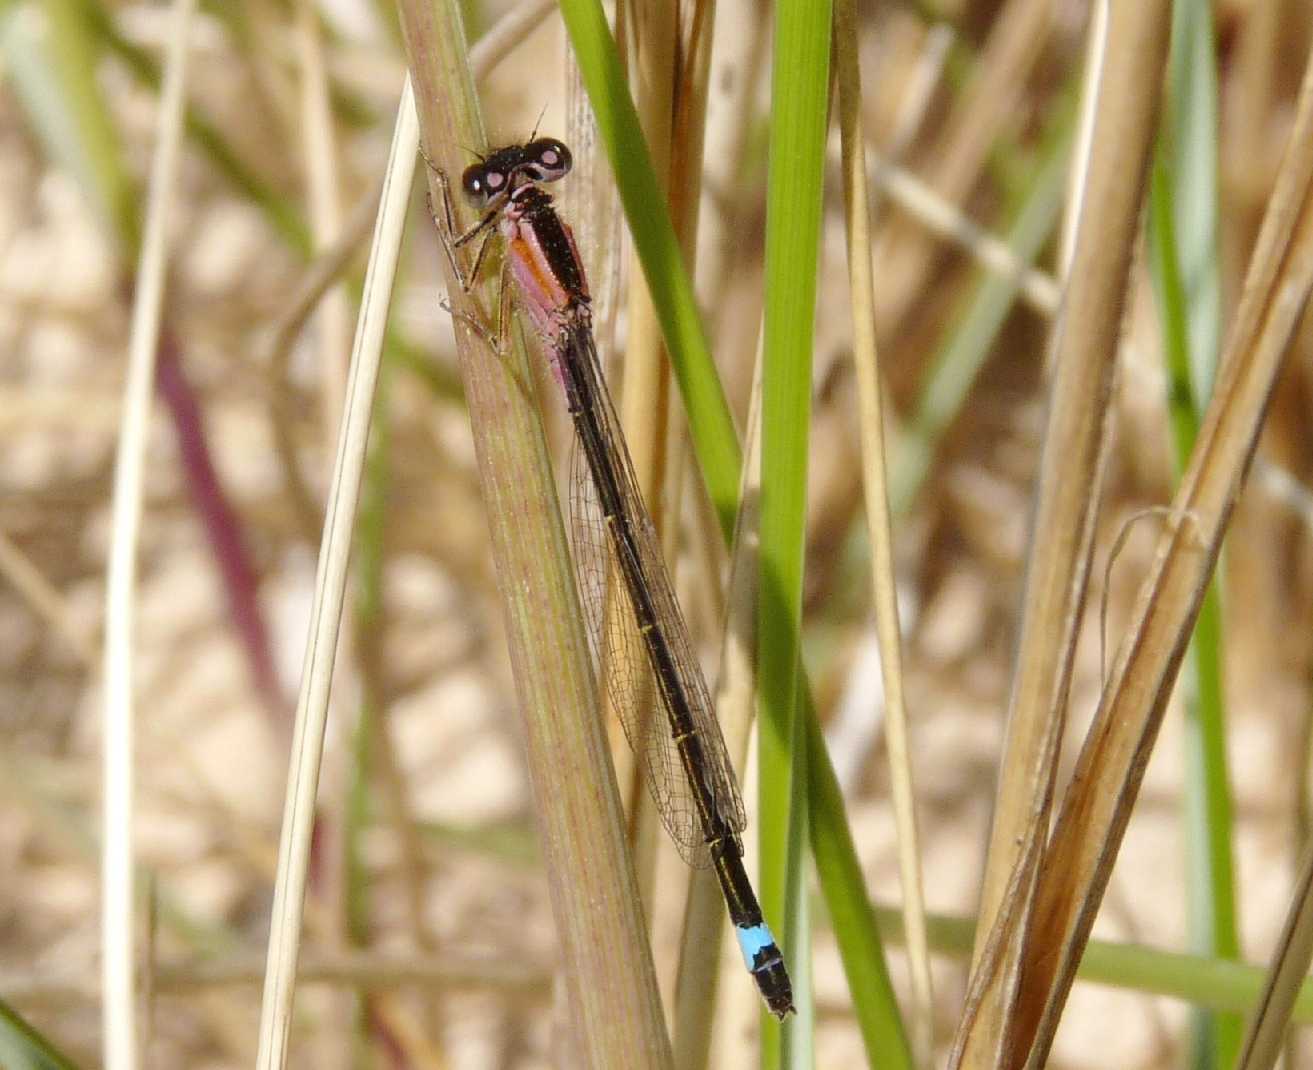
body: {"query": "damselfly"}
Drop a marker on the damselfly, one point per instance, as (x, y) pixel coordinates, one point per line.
(683, 753)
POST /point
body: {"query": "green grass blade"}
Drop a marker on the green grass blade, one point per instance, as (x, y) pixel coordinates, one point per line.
(1192, 125)
(55, 76)
(23, 1048)
(851, 912)
(710, 426)
(1183, 223)
(796, 171)
(1221, 984)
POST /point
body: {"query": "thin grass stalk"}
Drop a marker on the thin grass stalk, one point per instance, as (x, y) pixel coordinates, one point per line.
(1208, 817)
(1217, 984)
(1182, 232)
(330, 587)
(879, 524)
(1272, 1017)
(332, 333)
(609, 979)
(117, 919)
(1096, 51)
(799, 102)
(325, 197)
(1083, 350)
(1111, 765)
(23, 1047)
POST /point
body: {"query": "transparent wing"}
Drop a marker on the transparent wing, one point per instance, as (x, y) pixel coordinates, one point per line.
(624, 657)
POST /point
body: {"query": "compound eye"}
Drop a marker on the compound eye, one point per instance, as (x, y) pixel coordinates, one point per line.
(482, 184)
(550, 159)
(472, 182)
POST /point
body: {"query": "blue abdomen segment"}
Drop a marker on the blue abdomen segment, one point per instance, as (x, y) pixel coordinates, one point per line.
(758, 946)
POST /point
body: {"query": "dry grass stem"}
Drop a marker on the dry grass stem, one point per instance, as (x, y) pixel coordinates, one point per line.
(879, 524)
(611, 990)
(1083, 355)
(118, 896)
(1285, 488)
(330, 589)
(1111, 766)
(1096, 44)
(1270, 1025)
(325, 198)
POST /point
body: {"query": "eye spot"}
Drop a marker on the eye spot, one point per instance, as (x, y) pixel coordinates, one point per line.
(550, 157)
(495, 180)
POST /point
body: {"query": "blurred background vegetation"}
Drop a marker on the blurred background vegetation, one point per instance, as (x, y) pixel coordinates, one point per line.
(429, 937)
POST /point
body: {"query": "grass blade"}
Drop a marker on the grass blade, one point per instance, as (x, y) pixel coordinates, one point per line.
(1182, 229)
(1272, 1016)
(118, 926)
(1083, 350)
(851, 912)
(23, 1048)
(330, 588)
(607, 968)
(879, 524)
(799, 100)
(1109, 771)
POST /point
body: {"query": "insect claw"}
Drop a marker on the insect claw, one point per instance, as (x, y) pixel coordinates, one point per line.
(473, 325)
